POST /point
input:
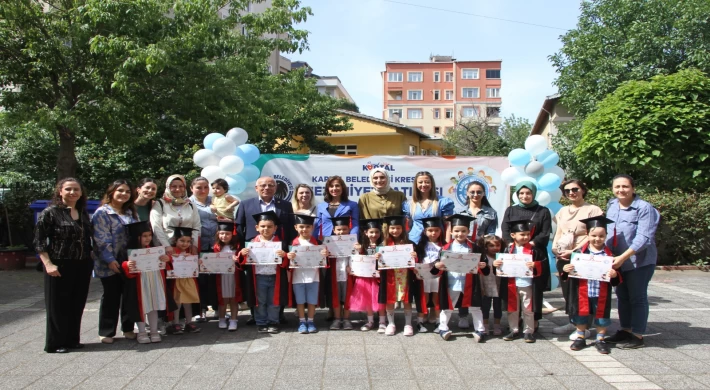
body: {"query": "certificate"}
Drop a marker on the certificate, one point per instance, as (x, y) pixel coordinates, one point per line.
(396, 256)
(217, 263)
(183, 267)
(147, 259)
(364, 266)
(341, 246)
(263, 253)
(588, 266)
(463, 263)
(424, 271)
(514, 265)
(308, 257)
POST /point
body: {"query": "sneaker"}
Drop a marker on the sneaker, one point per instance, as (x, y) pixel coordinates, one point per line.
(578, 344)
(391, 330)
(130, 335)
(564, 329)
(273, 329)
(445, 334)
(367, 327)
(174, 329)
(311, 327)
(143, 338)
(162, 329)
(302, 328)
(433, 318)
(511, 336)
(251, 321)
(421, 328)
(382, 328)
(478, 337)
(263, 329)
(191, 328)
(633, 343)
(347, 325)
(619, 337)
(603, 347)
(529, 338)
(436, 330)
(155, 338)
(574, 336)
(408, 330)
(232, 325)
(200, 319)
(336, 325)
(463, 323)
(106, 340)
(222, 323)
(497, 330)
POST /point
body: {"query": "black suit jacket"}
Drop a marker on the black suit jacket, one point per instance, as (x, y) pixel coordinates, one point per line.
(246, 226)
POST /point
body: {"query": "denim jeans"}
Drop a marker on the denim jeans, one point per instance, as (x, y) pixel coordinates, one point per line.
(585, 320)
(266, 313)
(632, 295)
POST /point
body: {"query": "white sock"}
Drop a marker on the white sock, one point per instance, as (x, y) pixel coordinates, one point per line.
(390, 316)
(383, 320)
(420, 320)
(301, 319)
(141, 327)
(408, 317)
(371, 319)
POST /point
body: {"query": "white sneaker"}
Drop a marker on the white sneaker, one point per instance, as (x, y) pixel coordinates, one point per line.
(390, 330)
(463, 323)
(232, 325)
(573, 336)
(382, 328)
(564, 329)
(223, 323)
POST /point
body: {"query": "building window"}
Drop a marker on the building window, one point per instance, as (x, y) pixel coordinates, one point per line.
(449, 113)
(437, 77)
(469, 74)
(449, 77)
(414, 113)
(433, 152)
(412, 150)
(346, 149)
(493, 92)
(469, 93)
(437, 95)
(469, 112)
(244, 31)
(437, 113)
(493, 112)
(423, 152)
(395, 77)
(449, 95)
(414, 95)
(492, 73)
(414, 77)
(393, 112)
(437, 130)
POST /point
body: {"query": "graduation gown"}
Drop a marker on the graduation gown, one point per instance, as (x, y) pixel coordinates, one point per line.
(471, 295)
(413, 288)
(238, 296)
(170, 288)
(135, 290)
(282, 297)
(578, 293)
(508, 291)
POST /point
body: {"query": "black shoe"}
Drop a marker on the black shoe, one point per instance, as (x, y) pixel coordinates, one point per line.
(263, 329)
(511, 336)
(602, 347)
(251, 321)
(633, 343)
(529, 338)
(59, 350)
(273, 329)
(619, 337)
(76, 346)
(578, 344)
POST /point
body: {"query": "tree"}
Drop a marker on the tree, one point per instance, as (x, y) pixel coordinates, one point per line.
(657, 129)
(515, 130)
(478, 137)
(621, 40)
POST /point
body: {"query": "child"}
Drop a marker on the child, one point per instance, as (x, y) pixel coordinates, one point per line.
(428, 249)
(266, 286)
(150, 285)
(397, 285)
(457, 289)
(365, 290)
(229, 291)
(591, 297)
(336, 276)
(522, 290)
(491, 245)
(223, 204)
(305, 281)
(184, 290)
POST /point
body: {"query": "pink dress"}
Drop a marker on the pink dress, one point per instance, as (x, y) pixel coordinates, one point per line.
(365, 290)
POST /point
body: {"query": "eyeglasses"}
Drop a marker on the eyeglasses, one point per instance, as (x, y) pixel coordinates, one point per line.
(266, 185)
(575, 190)
(476, 193)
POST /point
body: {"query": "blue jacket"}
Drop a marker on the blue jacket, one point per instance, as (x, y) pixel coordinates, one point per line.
(323, 217)
(110, 239)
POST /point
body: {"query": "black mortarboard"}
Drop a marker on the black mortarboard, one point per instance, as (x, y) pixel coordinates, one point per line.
(341, 221)
(266, 216)
(431, 222)
(182, 232)
(397, 220)
(302, 219)
(598, 221)
(370, 224)
(522, 225)
(460, 220)
(138, 228)
(226, 226)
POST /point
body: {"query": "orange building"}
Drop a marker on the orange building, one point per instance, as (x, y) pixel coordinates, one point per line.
(434, 96)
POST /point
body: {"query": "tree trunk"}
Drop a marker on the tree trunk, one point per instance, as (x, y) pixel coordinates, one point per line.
(66, 159)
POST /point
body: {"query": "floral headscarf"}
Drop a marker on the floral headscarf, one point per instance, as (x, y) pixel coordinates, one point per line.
(386, 188)
(168, 196)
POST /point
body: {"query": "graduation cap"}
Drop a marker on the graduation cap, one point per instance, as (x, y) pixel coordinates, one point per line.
(341, 221)
(371, 223)
(394, 220)
(521, 225)
(598, 221)
(181, 231)
(431, 222)
(225, 226)
(303, 219)
(266, 216)
(460, 220)
(136, 229)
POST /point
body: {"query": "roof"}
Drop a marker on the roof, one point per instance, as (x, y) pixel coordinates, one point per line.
(384, 122)
(438, 62)
(544, 115)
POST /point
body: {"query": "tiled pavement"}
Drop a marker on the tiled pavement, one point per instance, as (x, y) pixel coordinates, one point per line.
(677, 355)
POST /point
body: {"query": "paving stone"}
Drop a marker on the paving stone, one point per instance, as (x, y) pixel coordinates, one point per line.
(345, 384)
(389, 372)
(545, 383)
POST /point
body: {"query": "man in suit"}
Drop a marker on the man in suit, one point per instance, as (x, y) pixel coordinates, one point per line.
(265, 201)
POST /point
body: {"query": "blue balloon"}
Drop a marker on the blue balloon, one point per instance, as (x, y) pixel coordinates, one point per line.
(519, 157)
(548, 182)
(550, 160)
(210, 138)
(250, 173)
(554, 207)
(248, 153)
(237, 184)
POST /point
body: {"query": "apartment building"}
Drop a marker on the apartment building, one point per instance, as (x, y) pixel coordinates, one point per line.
(434, 96)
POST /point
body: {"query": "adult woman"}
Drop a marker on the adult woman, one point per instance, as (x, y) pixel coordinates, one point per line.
(425, 203)
(382, 201)
(145, 193)
(202, 200)
(571, 234)
(336, 204)
(173, 210)
(63, 242)
(478, 206)
(302, 202)
(110, 239)
(634, 248)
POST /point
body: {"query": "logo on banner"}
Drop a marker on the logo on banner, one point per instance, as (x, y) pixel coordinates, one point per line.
(464, 178)
(284, 188)
(370, 166)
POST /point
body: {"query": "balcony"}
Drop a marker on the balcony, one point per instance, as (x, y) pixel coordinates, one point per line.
(394, 95)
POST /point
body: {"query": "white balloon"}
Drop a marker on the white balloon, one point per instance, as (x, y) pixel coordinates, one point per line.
(510, 175)
(557, 171)
(543, 198)
(213, 173)
(204, 158)
(238, 135)
(515, 198)
(223, 147)
(535, 144)
(231, 165)
(555, 195)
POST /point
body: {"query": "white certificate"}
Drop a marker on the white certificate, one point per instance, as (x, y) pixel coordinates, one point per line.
(364, 266)
(309, 256)
(588, 266)
(147, 259)
(424, 271)
(463, 263)
(183, 267)
(396, 256)
(341, 246)
(263, 253)
(514, 265)
(217, 263)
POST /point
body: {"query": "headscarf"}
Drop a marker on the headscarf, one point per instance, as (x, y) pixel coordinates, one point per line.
(168, 196)
(386, 188)
(531, 186)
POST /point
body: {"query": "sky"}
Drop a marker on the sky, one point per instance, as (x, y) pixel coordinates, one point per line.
(352, 39)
